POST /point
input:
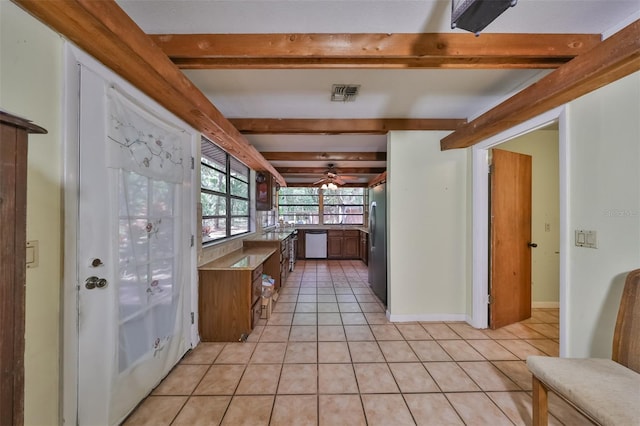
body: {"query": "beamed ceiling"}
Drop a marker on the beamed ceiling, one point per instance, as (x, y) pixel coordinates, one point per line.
(255, 76)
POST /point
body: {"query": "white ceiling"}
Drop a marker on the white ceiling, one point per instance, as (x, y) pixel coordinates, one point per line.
(389, 93)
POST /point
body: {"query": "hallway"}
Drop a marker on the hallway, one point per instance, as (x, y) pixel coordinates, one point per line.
(329, 356)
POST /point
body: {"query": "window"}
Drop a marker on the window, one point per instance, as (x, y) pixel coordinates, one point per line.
(343, 206)
(312, 206)
(224, 194)
(268, 218)
(300, 206)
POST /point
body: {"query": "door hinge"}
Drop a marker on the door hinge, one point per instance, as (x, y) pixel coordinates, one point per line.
(193, 240)
(490, 299)
(193, 318)
(193, 163)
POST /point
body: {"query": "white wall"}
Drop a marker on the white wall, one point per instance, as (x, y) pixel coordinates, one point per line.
(603, 181)
(428, 228)
(542, 146)
(30, 86)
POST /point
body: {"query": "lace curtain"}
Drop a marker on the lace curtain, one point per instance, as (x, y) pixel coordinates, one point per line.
(150, 156)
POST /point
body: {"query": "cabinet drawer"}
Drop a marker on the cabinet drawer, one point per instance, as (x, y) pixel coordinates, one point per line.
(352, 233)
(256, 273)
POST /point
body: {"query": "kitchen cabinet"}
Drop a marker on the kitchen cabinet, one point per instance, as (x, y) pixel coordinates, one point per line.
(13, 212)
(343, 244)
(364, 247)
(335, 241)
(300, 249)
(281, 242)
(285, 258)
(351, 245)
(229, 291)
(264, 191)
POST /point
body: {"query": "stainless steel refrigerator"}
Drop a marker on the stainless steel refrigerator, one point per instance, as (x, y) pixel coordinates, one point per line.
(378, 241)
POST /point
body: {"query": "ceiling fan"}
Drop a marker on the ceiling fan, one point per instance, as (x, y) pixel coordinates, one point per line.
(331, 177)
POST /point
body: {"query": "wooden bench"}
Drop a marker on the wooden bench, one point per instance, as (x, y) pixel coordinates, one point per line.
(607, 391)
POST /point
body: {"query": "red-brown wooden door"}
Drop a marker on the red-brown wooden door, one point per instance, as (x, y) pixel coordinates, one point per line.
(510, 238)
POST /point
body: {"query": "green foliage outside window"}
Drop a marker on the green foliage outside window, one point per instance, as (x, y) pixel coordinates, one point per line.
(313, 206)
(224, 194)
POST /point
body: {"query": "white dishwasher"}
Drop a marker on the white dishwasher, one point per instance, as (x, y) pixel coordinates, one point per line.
(315, 244)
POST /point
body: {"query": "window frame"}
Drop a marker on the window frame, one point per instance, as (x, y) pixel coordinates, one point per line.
(329, 193)
(231, 174)
(316, 215)
(321, 214)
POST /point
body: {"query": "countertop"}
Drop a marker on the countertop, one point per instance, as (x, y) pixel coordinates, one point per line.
(279, 235)
(241, 259)
(335, 227)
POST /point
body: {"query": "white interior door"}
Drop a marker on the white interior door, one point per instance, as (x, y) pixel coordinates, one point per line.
(133, 250)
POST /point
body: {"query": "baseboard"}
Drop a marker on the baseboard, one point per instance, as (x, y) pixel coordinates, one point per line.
(469, 320)
(426, 317)
(545, 305)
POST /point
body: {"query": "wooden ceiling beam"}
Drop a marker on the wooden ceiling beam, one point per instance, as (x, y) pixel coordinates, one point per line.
(325, 156)
(106, 32)
(614, 58)
(336, 126)
(382, 177)
(311, 185)
(373, 50)
(338, 170)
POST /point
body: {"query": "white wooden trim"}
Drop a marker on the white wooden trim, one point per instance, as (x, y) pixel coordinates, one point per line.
(428, 317)
(69, 298)
(545, 305)
(480, 245)
(565, 237)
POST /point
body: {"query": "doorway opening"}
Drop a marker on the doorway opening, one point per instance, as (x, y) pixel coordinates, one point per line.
(543, 146)
(553, 122)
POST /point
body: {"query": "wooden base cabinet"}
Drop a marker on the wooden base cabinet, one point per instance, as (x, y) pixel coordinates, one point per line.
(300, 250)
(229, 303)
(364, 247)
(335, 241)
(278, 266)
(343, 244)
(351, 247)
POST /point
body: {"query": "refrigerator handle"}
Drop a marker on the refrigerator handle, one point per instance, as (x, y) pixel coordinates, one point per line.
(372, 224)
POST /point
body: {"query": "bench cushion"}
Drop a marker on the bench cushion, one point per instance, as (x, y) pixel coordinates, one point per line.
(605, 390)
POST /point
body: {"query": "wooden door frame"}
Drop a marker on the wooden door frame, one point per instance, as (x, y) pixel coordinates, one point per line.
(479, 317)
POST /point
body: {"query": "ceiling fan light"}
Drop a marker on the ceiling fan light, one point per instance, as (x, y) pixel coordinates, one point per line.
(332, 186)
(324, 186)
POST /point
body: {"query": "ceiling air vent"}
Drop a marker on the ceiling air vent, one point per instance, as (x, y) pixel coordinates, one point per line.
(344, 92)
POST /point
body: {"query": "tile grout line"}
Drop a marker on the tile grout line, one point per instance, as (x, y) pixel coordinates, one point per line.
(402, 338)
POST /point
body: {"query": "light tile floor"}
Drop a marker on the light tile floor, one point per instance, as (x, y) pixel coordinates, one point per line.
(328, 356)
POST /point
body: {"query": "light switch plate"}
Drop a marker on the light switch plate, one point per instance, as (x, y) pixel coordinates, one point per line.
(586, 238)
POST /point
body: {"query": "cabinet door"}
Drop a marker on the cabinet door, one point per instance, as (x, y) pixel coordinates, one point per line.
(351, 247)
(334, 247)
(300, 242)
(364, 247)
